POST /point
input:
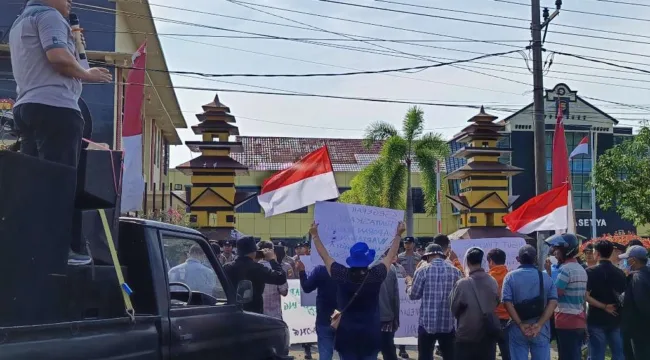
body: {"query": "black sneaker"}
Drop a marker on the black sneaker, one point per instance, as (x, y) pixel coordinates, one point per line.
(403, 354)
(308, 353)
(75, 259)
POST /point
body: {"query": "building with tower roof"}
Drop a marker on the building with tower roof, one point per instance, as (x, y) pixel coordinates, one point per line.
(213, 196)
(483, 199)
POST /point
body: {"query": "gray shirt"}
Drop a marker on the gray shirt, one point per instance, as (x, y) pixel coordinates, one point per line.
(409, 262)
(38, 29)
(197, 276)
(389, 297)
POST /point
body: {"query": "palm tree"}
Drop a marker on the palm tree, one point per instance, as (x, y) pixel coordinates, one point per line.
(382, 182)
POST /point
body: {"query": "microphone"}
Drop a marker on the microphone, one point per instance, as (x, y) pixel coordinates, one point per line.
(76, 31)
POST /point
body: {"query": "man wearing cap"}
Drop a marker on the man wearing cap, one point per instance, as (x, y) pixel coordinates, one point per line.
(433, 284)
(227, 255)
(272, 295)
(245, 267)
(445, 244)
(636, 305)
(530, 329)
(615, 259)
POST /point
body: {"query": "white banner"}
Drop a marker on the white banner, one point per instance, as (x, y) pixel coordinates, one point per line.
(342, 225)
(510, 246)
(409, 318)
(301, 320)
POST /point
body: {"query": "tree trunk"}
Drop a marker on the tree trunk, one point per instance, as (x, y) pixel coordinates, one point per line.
(409, 200)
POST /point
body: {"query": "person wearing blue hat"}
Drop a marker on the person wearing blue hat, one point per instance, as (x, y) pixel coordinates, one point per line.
(571, 283)
(636, 308)
(356, 321)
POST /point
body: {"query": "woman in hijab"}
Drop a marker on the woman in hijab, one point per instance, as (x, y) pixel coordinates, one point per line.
(358, 334)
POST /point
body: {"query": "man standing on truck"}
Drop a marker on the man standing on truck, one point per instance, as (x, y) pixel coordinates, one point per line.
(246, 268)
(48, 76)
(194, 274)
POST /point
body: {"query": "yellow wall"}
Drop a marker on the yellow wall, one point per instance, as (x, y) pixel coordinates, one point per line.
(297, 225)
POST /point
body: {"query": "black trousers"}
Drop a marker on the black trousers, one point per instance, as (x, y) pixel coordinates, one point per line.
(483, 350)
(636, 348)
(388, 350)
(50, 133)
(427, 342)
(503, 343)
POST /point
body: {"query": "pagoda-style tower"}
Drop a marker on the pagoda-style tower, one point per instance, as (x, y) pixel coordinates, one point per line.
(483, 199)
(213, 197)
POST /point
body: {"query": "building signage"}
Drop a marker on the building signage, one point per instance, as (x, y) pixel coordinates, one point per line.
(587, 222)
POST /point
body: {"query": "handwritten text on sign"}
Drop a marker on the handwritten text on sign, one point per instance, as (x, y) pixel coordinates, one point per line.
(342, 225)
(510, 246)
(301, 320)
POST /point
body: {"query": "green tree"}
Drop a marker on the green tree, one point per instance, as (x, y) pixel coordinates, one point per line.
(387, 181)
(622, 179)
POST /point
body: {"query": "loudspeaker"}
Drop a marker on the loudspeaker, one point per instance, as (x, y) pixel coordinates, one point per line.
(94, 293)
(98, 179)
(89, 236)
(36, 208)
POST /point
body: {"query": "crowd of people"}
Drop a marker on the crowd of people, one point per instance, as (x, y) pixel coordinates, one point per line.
(474, 309)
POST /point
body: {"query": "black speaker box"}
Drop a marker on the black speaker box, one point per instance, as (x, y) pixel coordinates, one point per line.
(89, 236)
(36, 208)
(98, 179)
(94, 293)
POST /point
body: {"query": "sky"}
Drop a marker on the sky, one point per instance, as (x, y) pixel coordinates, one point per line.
(505, 81)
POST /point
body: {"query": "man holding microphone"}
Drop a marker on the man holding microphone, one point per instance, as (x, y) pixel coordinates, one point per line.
(45, 63)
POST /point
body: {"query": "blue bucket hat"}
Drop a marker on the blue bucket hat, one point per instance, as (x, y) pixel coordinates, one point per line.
(361, 256)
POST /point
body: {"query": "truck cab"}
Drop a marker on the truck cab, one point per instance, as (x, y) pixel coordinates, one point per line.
(181, 319)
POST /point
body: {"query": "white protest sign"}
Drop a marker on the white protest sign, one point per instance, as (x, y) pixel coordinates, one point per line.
(301, 320)
(308, 299)
(342, 225)
(510, 246)
(409, 317)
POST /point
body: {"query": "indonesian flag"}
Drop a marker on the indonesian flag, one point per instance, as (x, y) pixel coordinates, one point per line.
(561, 174)
(560, 156)
(547, 211)
(133, 180)
(309, 180)
(582, 148)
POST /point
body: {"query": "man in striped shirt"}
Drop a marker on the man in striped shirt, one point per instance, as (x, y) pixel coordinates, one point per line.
(571, 283)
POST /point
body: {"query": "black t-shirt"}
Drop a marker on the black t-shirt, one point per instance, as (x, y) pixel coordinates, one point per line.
(605, 281)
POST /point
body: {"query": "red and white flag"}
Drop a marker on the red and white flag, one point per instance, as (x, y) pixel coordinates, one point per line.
(582, 148)
(133, 178)
(547, 211)
(560, 155)
(309, 180)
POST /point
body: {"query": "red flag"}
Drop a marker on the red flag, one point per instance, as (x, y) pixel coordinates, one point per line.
(560, 153)
(133, 179)
(546, 211)
(308, 180)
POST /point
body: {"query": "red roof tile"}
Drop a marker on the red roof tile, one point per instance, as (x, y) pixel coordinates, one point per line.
(277, 153)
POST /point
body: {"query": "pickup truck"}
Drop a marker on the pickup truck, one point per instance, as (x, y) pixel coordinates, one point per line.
(172, 322)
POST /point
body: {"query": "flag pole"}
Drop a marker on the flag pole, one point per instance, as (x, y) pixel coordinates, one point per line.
(594, 232)
(438, 199)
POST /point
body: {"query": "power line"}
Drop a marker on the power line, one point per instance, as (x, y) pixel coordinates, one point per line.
(428, 33)
(623, 3)
(513, 18)
(354, 21)
(476, 21)
(578, 11)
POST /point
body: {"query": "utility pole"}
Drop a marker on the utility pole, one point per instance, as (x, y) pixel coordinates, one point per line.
(538, 99)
